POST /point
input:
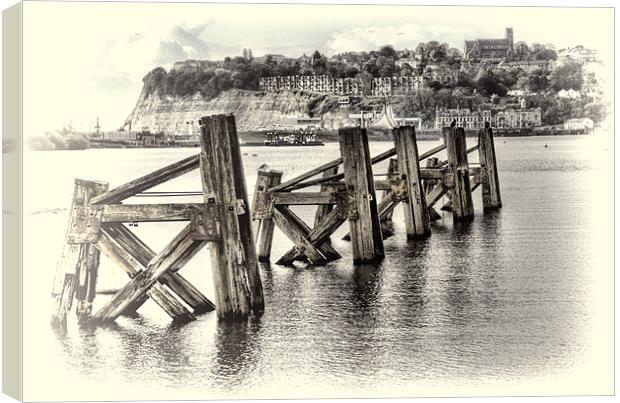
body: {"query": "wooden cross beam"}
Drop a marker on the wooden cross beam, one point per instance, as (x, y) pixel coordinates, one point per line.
(317, 237)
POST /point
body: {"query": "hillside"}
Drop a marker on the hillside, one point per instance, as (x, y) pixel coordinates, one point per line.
(254, 110)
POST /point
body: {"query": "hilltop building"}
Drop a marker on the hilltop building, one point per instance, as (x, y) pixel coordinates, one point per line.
(490, 49)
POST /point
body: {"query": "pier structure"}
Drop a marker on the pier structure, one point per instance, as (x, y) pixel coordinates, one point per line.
(96, 225)
(241, 236)
(348, 193)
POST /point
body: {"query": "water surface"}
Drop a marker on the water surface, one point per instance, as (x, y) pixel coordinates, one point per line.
(517, 302)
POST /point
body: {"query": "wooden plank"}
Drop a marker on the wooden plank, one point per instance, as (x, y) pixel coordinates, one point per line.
(148, 181)
(265, 229)
(491, 195)
(148, 212)
(238, 286)
(366, 238)
(76, 271)
(336, 177)
(436, 194)
(304, 198)
(177, 251)
(432, 151)
(327, 166)
(462, 203)
(318, 236)
(160, 295)
(431, 173)
(417, 220)
(282, 218)
(143, 254)
(323, 210)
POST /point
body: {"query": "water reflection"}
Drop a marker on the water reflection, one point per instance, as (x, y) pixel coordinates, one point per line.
(237, 349)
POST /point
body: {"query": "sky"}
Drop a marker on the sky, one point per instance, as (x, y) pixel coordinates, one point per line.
(87, 60)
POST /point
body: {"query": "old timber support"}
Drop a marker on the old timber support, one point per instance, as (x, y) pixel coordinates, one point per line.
(96, 225)
(491, 197)
(456, 146)
(364, 224)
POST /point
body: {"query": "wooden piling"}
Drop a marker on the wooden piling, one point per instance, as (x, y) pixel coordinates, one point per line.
(264, 228)
(386, 218)
(237, 280)
(456, 146)
(324, 209)
(76, 272)
(429, 184)
(491, 197)
(365, 228)
(417, 221)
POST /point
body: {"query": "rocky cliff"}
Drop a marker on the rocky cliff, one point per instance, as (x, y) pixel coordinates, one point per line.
(253, 111)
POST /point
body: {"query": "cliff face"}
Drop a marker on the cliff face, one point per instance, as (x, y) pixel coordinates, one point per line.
(253, 111)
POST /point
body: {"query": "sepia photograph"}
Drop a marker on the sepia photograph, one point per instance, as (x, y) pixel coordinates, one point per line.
(232, 200)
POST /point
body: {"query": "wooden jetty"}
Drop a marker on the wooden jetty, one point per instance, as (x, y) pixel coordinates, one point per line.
(350, 195)
(96, 226)
(241, 237)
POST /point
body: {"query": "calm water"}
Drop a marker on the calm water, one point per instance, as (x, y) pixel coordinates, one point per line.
(518, 302)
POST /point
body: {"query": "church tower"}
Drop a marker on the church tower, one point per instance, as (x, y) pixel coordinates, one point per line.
(509, 38)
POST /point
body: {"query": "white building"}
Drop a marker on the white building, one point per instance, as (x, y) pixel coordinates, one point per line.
(579, 124)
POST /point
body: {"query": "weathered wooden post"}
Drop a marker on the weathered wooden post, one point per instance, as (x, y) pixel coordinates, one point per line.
(365, 228)
(264, 228)
(386, 219)
(417, 221)
(324, 209)
(430, 184)
(456, 146)
(238, 287)
(76, 273)
(491, 197)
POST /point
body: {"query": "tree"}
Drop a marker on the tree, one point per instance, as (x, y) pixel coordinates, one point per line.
(388, 52)
(567, 76)
(522, 51)
(595, 111)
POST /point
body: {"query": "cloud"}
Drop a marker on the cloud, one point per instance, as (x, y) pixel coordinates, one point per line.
(403, 36)
(182, 43)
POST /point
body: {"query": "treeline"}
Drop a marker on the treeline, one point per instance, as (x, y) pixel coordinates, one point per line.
(58, 141)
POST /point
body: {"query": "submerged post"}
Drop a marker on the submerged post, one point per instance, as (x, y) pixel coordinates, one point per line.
(491, 197)
(456, 146)
(76, 273)
(365, 228)
(238, 287)
(387, 225)
(417, 219)
(264, 227)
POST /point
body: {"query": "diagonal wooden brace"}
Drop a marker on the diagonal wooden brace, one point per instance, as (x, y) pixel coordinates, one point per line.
(318, 237)
(143, 254)
(283, 218)
(177, 252)
(162, 297)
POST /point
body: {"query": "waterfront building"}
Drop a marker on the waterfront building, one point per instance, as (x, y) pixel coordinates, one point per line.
(490, 49)
(581, 124)
(518, 118)
(463, 116)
